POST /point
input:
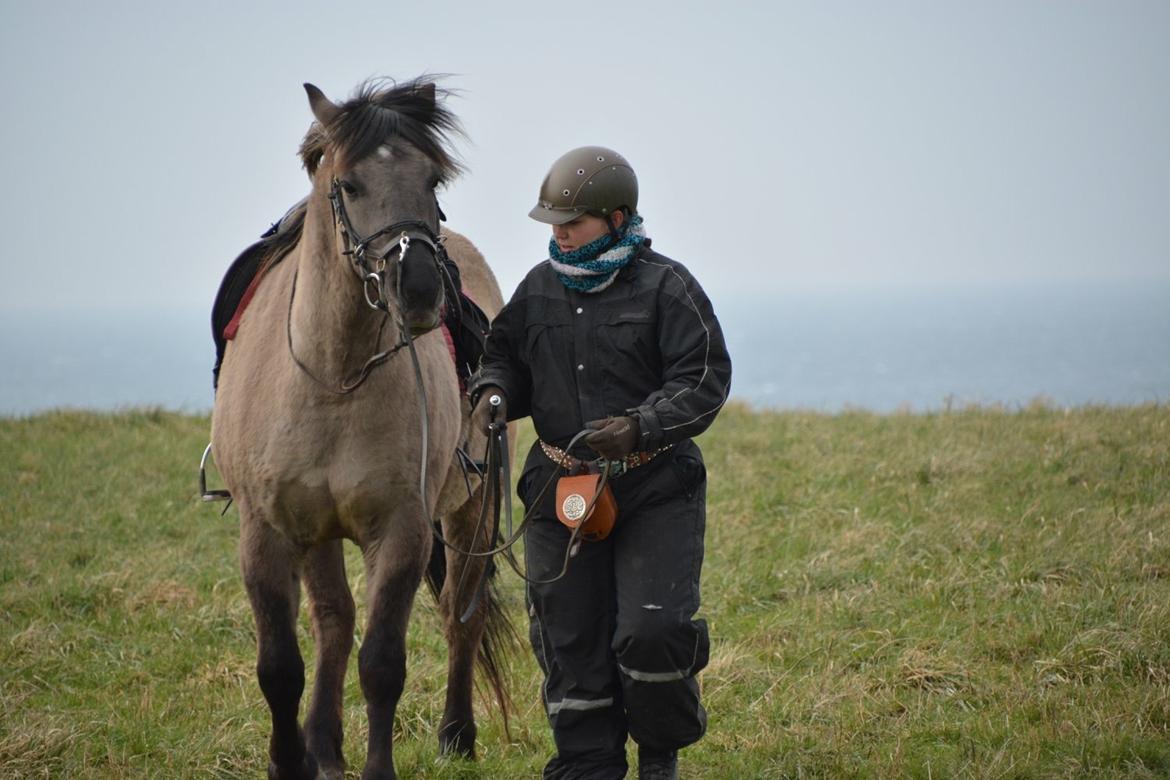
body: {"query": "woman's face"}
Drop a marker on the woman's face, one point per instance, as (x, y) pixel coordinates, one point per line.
(585, 228)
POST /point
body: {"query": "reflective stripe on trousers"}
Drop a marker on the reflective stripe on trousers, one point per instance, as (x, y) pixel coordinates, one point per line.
(661, 677)
(578, 704)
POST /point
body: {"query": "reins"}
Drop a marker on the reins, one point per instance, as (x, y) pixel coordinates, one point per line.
(346, 387)
(497, 480)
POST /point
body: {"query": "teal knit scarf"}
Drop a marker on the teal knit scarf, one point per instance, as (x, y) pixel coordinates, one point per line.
(593, 267)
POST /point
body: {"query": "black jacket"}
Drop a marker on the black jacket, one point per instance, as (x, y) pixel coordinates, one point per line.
(649, 346)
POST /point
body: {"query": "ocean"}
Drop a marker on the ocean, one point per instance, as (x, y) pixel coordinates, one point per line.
(889, 351)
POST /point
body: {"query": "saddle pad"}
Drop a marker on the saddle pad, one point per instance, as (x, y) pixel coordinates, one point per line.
(242, 278)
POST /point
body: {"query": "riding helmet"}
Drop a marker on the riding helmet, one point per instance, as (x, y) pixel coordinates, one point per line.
(587, 180)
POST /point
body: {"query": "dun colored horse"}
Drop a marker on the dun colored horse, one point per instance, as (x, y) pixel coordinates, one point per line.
(319, 433)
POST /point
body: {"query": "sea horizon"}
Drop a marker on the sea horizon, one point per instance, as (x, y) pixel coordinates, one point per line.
(915, 350)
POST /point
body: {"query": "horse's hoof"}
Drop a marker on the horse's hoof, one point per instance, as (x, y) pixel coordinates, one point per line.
(330, 770)
(306, 771)
(458, 741)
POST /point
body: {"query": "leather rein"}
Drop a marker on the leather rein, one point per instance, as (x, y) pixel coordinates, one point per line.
(496, 474)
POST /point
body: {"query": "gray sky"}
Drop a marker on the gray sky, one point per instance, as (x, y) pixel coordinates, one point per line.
(779, 145)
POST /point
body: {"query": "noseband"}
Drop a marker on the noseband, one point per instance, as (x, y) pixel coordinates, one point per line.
(370, 266)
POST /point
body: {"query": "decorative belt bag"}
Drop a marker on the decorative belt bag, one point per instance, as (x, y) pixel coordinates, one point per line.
(578, 499)
(586, 500)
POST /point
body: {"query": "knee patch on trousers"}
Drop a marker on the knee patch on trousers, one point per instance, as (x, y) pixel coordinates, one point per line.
(657, 654)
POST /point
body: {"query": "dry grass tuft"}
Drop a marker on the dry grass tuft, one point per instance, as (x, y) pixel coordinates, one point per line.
(931, 673)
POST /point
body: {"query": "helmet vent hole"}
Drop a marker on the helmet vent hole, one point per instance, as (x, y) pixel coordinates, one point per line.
(600, 158)
(564, 192)
(580, 171)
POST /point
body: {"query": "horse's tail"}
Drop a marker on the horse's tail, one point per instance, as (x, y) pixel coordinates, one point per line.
(499, 635)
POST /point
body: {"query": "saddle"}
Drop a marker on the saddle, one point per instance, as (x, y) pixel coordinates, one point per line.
(465, 325)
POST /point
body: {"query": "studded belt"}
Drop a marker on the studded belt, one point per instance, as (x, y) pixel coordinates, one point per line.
(616, 467)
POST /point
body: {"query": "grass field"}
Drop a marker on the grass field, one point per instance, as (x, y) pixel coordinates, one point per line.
(979, 593)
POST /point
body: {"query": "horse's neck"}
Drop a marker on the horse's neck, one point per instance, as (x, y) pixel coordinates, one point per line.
(334, 330)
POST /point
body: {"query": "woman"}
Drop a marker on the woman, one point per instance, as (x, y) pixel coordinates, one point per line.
(610, 336)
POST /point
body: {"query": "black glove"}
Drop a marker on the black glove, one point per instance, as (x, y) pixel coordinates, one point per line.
(614, 437)
(485, 413)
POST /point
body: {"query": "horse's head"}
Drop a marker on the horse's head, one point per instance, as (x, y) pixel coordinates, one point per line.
(380, 157)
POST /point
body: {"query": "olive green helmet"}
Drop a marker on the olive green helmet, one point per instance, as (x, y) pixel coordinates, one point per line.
(587, 180)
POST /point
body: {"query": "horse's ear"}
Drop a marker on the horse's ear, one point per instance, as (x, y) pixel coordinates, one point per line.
(426, 90)
(323, 108)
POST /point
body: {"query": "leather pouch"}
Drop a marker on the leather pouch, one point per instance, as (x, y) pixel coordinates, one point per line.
(578, 501)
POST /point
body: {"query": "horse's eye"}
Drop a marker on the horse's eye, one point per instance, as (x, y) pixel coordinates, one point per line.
(347, 188)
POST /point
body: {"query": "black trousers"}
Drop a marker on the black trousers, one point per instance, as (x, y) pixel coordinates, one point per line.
(616, 636)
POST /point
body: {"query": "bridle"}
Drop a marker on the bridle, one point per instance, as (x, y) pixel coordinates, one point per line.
(370, 268)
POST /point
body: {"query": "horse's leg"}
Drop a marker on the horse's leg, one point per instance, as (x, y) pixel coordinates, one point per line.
(457, 731)
(269, 567)
(394, 568)
(332, 611)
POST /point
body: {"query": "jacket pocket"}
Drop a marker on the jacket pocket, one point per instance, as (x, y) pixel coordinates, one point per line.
(629, 337)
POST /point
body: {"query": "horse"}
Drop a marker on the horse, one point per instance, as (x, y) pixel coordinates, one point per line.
(318, 431)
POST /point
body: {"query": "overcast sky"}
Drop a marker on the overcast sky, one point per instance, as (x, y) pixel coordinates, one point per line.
(779, 145)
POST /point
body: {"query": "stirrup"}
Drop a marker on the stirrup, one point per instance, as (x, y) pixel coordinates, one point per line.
(205, 495)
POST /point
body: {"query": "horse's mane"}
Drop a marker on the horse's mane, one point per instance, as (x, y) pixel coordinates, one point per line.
(381, 110)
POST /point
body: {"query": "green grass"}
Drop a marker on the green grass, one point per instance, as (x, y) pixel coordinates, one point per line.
(980, 593)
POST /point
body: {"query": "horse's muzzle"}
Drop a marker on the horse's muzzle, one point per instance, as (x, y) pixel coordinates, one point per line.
(417, 330)
(423, 319)
(422, 291)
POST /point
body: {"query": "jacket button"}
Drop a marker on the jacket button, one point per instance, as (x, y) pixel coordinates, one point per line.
(580, 366)
(579, 310)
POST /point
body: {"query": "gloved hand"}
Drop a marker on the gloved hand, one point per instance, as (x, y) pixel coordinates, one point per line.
(484, 413)
(614, 437)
